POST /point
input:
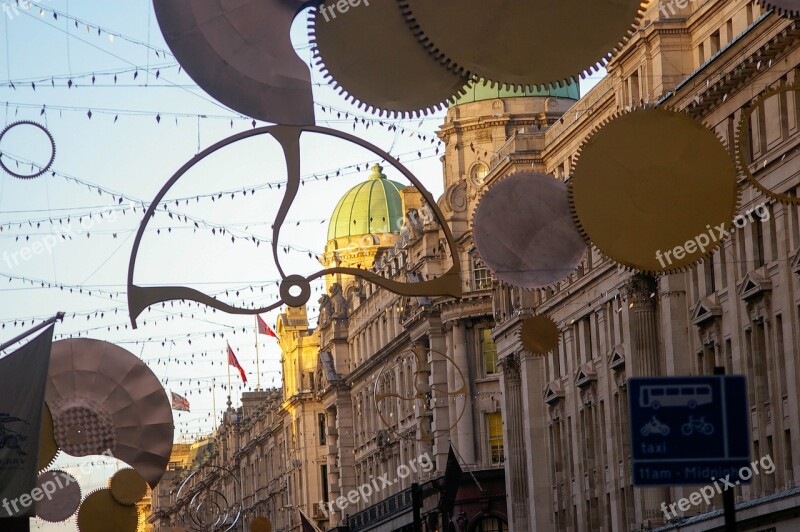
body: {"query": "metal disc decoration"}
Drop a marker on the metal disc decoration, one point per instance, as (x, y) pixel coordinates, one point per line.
(62, 499)
(371, 54)
(241, 54)
(786, 8)
(743, 141)
(128, 487)
(42, 169)
(203, 504)
(539, 335)
(657, 206)
(99, 512)
(260, 524)
(421, 395)
(140, 297)
(524, 231)
(104, 398)
(533, 43)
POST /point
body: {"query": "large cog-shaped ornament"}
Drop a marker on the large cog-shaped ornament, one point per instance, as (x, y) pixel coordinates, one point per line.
(786, 8)
(743, 141)
(527, 43)
(655, 190)
(370, 54)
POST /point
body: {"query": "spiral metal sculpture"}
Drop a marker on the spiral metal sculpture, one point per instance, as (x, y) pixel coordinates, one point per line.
(208, 507)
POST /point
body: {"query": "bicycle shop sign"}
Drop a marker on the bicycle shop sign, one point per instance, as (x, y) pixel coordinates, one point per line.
(687, 430)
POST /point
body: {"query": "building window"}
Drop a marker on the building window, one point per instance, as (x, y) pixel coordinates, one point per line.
(488, 352)
(323, 469)
(323, 429)
(478, 174)
(481, 278)
(494, 422)
(491, 524)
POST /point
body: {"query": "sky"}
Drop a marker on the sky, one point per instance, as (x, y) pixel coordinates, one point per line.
(124, 117)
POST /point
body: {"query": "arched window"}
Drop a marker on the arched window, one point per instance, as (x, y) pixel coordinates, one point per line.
(478, 174)
(490, 524)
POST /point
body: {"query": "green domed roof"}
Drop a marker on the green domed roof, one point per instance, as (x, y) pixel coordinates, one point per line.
(477, 92)
(373, 207)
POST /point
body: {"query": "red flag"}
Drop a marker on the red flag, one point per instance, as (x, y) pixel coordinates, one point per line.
(233, 361)
(263, 328)
(179, 403)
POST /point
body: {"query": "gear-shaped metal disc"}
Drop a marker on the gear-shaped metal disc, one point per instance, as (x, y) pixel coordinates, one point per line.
(786, 8)
(528, 43)
(655, 190)
(743, 138)
(539, 335)
(99, 512)
(524, 232)
(370, 54)
(63, 496)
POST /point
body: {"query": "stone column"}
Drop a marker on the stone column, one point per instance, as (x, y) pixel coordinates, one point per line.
(463, 401)
(440, 369)
(646, 361)
(514, 438)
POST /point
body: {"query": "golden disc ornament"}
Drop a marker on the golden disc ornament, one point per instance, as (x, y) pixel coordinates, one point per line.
(539, 335)
(655, 190)
(128, 487)
(99, 512)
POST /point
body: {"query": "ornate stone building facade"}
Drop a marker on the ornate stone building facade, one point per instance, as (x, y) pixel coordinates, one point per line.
(737, 310)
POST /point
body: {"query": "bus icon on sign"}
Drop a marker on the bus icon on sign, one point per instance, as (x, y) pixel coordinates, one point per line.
(656, 396)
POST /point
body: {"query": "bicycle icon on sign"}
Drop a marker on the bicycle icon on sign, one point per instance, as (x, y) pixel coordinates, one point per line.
(697, 424)
(675, 395)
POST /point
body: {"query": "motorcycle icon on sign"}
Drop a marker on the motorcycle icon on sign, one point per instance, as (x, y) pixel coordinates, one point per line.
(697, 424)
(654, 426)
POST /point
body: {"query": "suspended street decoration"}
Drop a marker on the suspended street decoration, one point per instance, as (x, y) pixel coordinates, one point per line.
(203, 500)
(744, 141)
(38, 168)
(392, 396)
(657, 206)
(787, 8)
(524, 232)
(522, 49)
(106, 400)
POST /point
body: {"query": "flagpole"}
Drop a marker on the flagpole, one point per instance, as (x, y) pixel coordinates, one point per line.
(214, 402)
(229, 375)
(258, 370)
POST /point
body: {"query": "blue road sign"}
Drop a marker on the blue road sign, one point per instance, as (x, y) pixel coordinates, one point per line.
(688, 430)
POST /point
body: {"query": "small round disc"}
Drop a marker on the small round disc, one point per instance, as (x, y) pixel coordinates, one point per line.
(62, 496)
(539, 335)
(524, 231)
(128, 487)
(655, 190)
(99, 509)
(260, 524)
